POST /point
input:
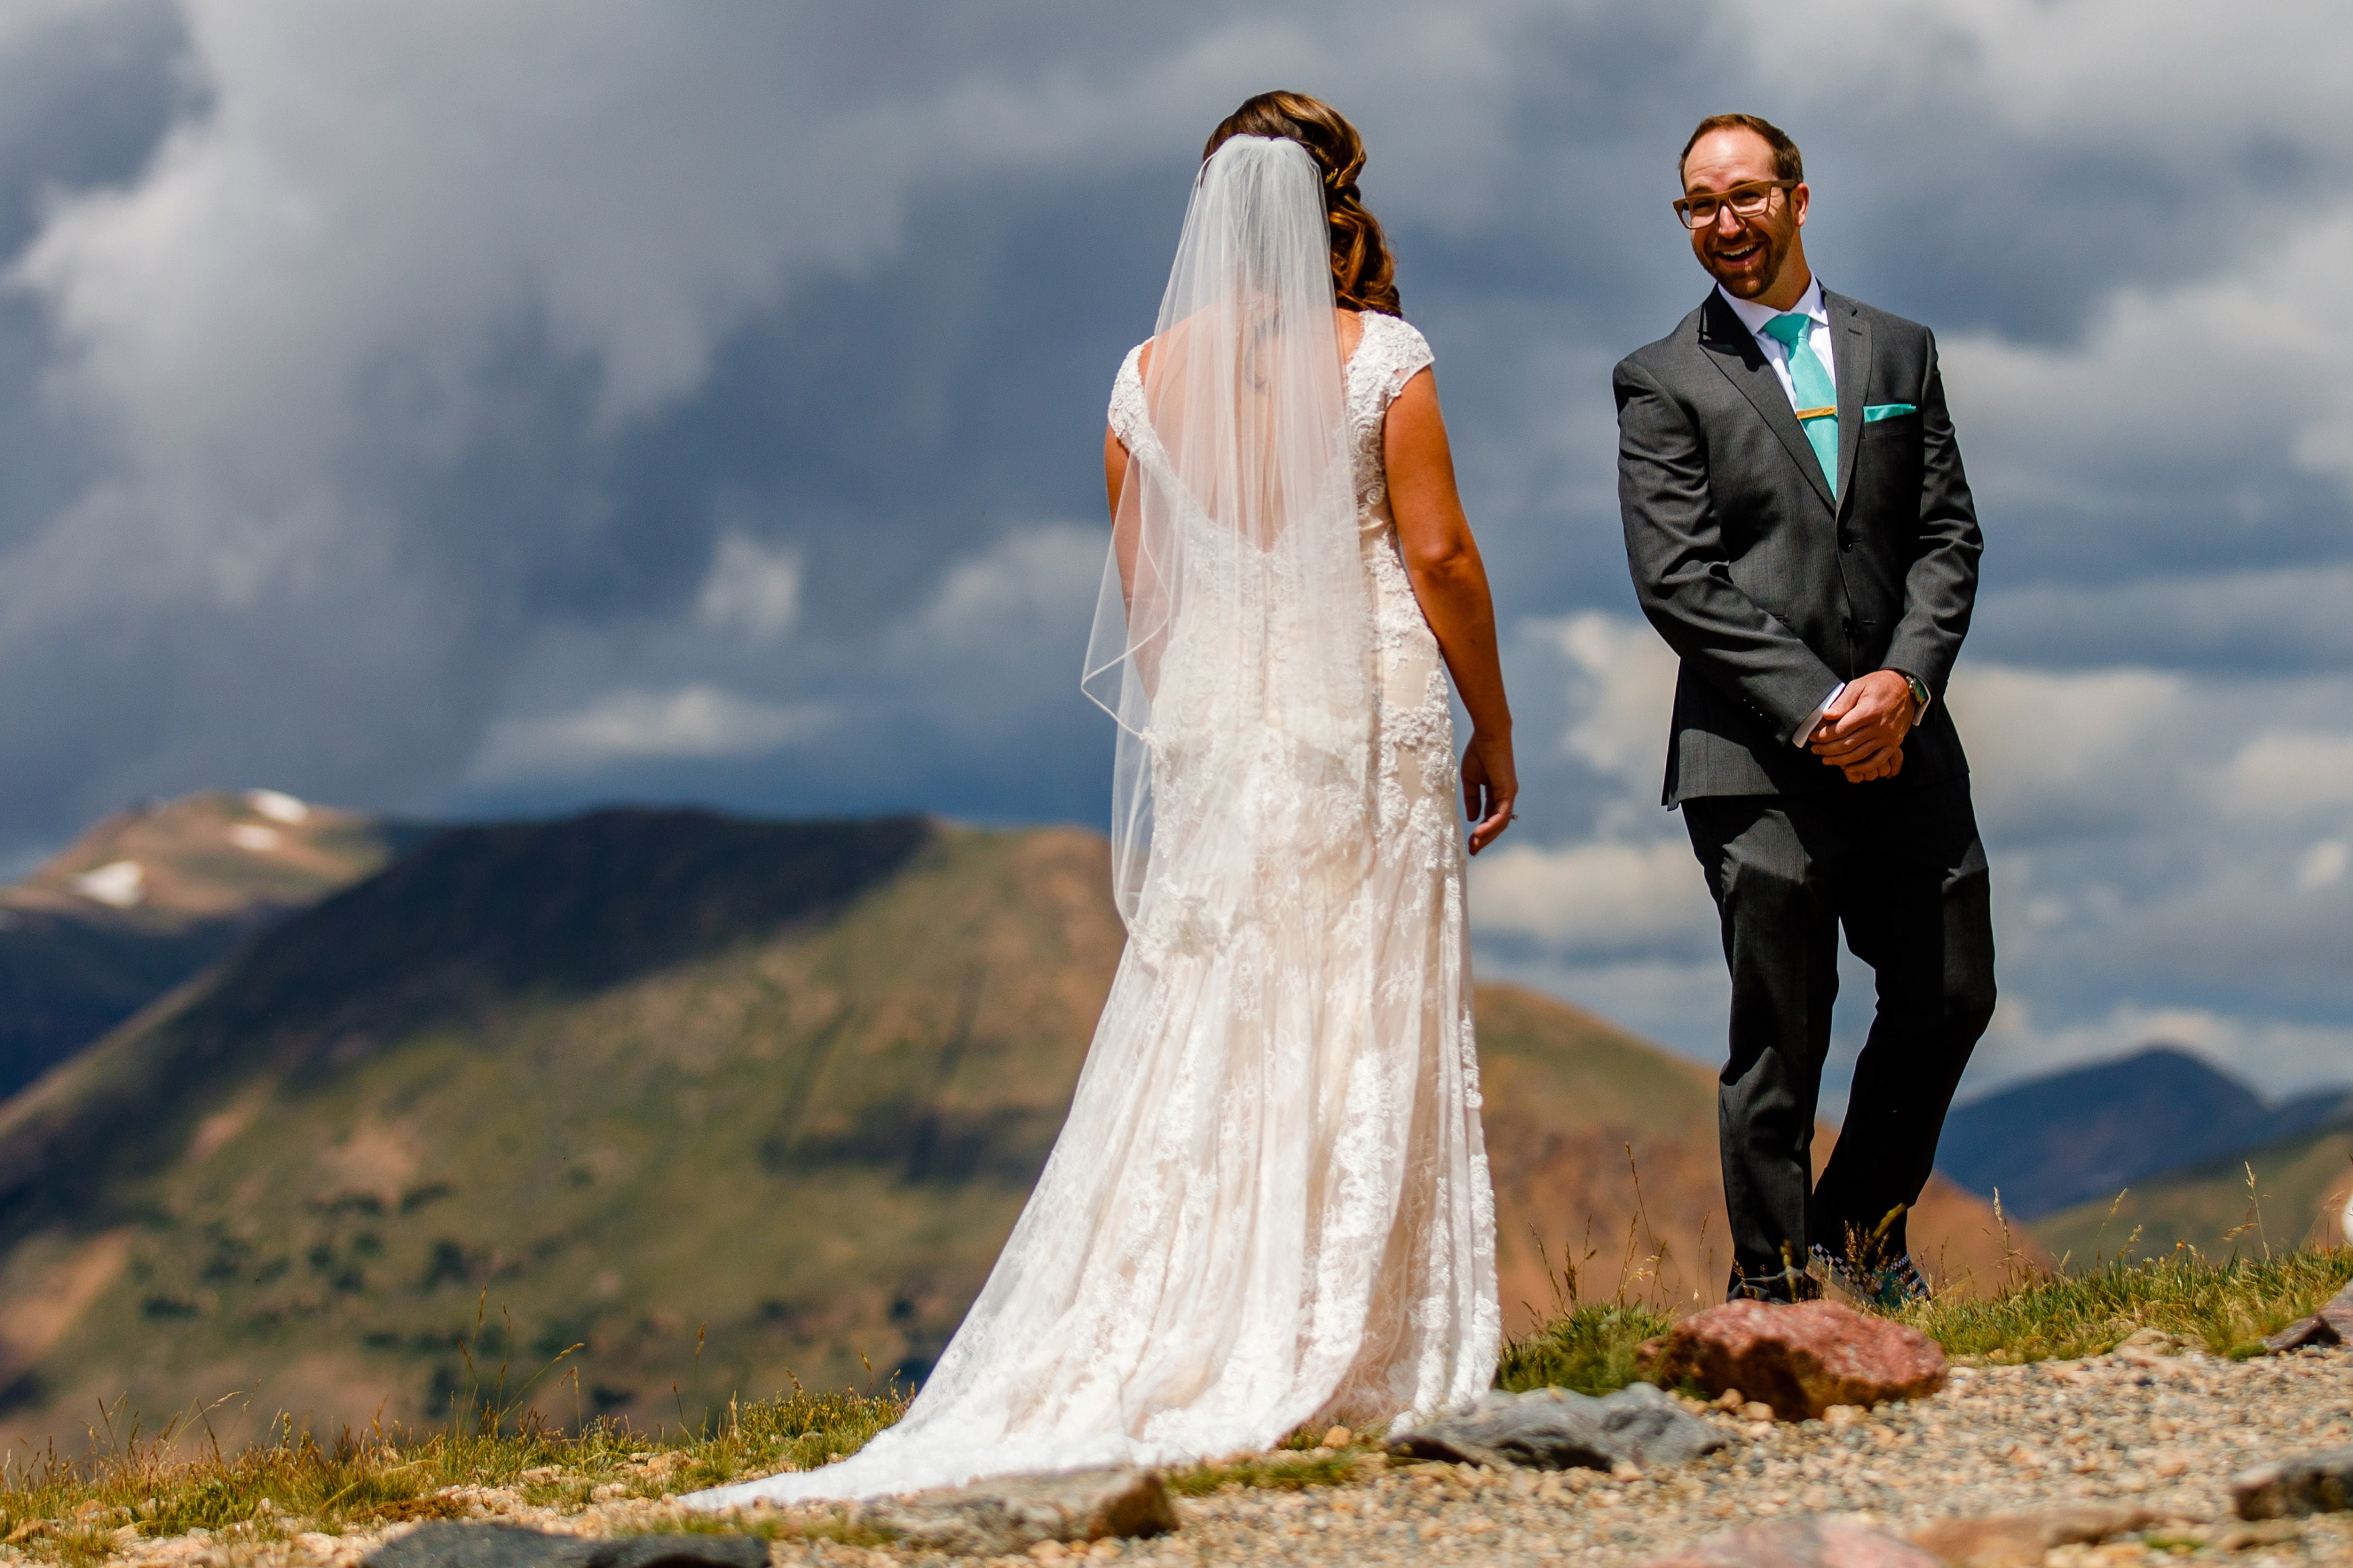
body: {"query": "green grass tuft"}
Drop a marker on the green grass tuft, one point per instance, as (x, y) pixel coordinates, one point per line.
(1282, 1470)
(2226, 1307)
(1589, 1348)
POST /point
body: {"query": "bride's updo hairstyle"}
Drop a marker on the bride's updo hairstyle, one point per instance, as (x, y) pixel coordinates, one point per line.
(1363, 272)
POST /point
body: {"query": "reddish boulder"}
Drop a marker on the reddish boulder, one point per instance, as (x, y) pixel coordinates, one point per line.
(1799, 1359)
(1808, 1542)
(2020, 1539)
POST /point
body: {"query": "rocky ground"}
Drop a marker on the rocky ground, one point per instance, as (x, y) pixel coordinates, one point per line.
(2137, 1429)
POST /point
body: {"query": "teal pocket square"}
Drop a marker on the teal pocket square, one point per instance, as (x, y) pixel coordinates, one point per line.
(1874, 412)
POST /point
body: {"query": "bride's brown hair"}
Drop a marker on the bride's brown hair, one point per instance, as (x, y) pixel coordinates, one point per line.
(1364, 274)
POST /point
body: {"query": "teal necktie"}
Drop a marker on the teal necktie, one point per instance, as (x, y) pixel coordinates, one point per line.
(1817, 399)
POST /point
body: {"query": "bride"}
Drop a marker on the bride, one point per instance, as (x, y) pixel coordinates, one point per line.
(1269, 1204)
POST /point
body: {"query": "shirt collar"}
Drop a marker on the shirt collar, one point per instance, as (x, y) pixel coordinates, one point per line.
(1753, 316)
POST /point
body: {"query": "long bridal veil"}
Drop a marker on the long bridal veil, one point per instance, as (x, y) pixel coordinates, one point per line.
(1234, 607)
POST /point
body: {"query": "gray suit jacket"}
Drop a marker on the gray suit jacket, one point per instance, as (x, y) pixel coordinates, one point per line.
(1771, 592)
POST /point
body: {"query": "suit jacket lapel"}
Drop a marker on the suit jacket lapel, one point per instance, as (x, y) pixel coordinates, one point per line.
(1851, 347)
(1736, 353)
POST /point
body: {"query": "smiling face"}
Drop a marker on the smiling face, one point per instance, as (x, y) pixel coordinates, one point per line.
(1763, 257)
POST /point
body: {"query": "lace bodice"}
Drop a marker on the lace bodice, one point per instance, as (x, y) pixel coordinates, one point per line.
(1390, 354)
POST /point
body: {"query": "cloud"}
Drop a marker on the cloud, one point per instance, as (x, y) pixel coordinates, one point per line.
(986, 602)
(2323, 865)
(2290, 774)
(692, 722)
(1594, 895)
(754, 589)
(2172, 386)
(1624, 690)
(2268, 619)
(2055, 750)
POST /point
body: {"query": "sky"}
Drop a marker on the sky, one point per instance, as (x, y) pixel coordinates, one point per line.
(458, 410)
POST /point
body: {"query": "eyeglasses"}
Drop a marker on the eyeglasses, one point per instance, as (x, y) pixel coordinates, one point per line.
(1746, 202)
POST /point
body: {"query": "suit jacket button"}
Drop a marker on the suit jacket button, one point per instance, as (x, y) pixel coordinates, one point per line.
(1846, 544)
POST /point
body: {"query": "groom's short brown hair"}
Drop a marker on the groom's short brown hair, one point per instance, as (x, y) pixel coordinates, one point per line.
(1788, 163)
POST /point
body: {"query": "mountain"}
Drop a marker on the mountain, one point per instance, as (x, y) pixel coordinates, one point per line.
(722, 1101)
(2300, 1189)
(148, 897)
(2089, 1132)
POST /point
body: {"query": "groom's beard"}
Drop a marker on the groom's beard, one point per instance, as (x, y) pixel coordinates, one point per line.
(1748, 265)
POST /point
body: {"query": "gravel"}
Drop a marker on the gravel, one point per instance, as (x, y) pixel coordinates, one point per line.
(2165, 1433)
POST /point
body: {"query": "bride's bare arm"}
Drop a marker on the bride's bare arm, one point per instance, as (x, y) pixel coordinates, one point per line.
(1450, 582)
(1114, 469)
(1123, 530)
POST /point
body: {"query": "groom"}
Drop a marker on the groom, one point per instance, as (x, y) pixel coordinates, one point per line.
(1801, 534)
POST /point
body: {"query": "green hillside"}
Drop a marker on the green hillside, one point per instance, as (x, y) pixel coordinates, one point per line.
(2298, 1197)
(638, 1075)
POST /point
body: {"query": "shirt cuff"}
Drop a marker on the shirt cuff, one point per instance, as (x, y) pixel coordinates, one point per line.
(1806, 730)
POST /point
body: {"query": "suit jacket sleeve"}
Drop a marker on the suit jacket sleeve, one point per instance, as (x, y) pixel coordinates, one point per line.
(1941, 588)
(1683, 575)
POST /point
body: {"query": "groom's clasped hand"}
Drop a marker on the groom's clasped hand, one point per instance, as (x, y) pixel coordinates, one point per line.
(1862, 731)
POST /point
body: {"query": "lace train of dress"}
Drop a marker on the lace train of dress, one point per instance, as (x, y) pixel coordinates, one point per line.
(1269, 1203)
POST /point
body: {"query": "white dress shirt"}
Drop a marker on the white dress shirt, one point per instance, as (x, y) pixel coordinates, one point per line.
(1809, 305)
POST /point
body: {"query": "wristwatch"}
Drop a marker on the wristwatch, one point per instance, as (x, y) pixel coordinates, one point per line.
(1920, 694)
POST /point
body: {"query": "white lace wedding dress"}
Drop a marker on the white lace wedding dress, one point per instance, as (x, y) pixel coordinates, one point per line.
(1269, 1204)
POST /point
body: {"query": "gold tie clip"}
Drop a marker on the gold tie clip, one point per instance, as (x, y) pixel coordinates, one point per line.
(1829, 413)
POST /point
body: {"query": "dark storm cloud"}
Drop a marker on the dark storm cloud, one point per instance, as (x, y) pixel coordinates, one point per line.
(449, 409)
(85, 93)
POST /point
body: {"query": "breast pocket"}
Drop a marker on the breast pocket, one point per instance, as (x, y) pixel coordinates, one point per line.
(1889, 462)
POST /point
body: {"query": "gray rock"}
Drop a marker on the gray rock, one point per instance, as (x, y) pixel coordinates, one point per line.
(1554, 1429)
(2332, 1325)
(2296, 1486)
(1012, 1513)
(446, 1544)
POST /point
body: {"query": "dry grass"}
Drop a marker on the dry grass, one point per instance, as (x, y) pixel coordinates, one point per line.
(181, 1478)
(79, 1511)
(75, 1510)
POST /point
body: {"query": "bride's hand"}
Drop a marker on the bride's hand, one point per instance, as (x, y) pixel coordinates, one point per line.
(1490, 786)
